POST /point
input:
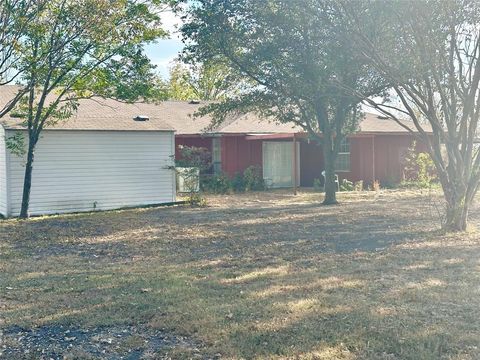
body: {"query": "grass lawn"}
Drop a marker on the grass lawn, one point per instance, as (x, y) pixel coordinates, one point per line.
(261, 275)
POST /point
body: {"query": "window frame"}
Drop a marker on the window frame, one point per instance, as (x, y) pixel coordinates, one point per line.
(344, 145)
(217, 155)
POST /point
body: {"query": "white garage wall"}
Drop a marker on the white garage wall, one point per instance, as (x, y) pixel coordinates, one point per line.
(3, 174)
(87, 170)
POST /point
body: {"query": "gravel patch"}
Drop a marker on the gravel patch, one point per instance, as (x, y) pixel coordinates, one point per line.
(65, 342)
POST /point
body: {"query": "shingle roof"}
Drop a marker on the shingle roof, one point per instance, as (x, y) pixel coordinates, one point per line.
(252, 124)
(98, 114)
(104, 114)
(373, 123)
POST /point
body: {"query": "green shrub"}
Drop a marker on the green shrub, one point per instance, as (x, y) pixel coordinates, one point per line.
(346, 185)
(238, 183)
(358, 185)
(192, 156)
(419, 169)
(250, 180)
(216, 184)
(253, 179)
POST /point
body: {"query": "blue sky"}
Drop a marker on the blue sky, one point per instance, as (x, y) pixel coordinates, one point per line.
(165, 51)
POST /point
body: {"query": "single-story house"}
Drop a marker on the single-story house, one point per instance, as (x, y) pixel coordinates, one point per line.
(375, 152)
(111, 155)
(106, 156)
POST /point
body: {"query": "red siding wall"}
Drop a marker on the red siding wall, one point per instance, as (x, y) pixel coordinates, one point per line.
(311, 162)
(239, 153)
(361, 160)
(390, 151)
(389, 159)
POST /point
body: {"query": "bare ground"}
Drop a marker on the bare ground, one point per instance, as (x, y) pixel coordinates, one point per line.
(259, 275)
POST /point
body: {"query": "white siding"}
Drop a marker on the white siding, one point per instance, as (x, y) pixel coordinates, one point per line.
(82, 170)
(3, 174)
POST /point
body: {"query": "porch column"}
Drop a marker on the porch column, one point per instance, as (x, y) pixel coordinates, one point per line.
(294, 165)
(373, 159)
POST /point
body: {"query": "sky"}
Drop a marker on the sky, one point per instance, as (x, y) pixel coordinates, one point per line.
(165, 51)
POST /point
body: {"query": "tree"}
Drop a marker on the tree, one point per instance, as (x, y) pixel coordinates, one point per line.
(15, 15)
(292, 58)
(202, 82)
(429, 51)
(73, 50)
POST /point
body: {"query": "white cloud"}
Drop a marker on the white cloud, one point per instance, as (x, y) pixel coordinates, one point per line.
(171, 23)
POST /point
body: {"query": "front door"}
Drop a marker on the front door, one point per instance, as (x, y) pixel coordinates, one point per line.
(278, 163)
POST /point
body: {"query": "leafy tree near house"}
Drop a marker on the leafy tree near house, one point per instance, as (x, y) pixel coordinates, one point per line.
(429, 51)
(293, 59)
(202, 82)
(15, 15)
(73, 50)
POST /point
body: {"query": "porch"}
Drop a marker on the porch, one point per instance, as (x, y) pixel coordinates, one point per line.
(293, 160)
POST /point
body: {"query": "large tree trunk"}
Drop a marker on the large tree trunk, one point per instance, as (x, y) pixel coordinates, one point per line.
(27, 182)
(457, 213)
(330, 186)
(459, 193)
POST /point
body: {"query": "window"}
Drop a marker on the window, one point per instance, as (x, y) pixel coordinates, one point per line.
(342, 163)
(217, 155)
(278, 163)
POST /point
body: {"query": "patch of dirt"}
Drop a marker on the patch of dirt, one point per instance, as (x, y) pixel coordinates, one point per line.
(115, 342)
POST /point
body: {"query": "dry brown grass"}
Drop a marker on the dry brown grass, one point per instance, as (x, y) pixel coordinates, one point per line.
(261, 275)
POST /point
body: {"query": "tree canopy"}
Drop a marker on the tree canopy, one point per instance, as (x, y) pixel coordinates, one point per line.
(15, 17)
(294, 60)
(72, 50)
(429, 51)
(207, 82)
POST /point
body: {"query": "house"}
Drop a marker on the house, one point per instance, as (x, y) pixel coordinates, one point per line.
(108, 155)
(375, 152)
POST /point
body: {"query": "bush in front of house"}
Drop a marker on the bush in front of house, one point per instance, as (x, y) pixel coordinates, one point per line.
(347, 185)
(194, 163)
(216, 184)
(250, 180)
(238, 182)
(192, 156)
(419, 169)
(253, 179)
